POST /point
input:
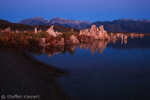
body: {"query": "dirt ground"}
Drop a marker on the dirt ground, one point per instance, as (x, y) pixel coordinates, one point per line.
(21, 76)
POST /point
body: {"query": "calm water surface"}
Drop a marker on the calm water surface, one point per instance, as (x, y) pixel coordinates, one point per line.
(103, 70)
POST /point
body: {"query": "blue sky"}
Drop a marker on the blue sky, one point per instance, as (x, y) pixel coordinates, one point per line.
(83, 10)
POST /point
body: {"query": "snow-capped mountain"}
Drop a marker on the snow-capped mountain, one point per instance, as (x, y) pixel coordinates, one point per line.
(55, 21)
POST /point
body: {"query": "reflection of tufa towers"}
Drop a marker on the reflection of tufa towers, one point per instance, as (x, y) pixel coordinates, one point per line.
(95, 46)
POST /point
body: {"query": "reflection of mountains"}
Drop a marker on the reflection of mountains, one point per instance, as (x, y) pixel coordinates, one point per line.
(99, 45)
(132, 43)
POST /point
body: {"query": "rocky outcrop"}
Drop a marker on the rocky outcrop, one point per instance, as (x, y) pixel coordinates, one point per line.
(141, 35)
(132, 35)
(61, 42)
(7, 30)
(40, 31)
(72, 40)
(16, 31)
(72, 30)
(55, 42)
(43, 42)
(125, 37)
(86, 39)
(35, 30)
(24, 31)
(50, 31)
(96, 32)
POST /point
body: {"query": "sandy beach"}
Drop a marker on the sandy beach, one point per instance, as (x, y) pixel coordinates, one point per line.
(21, 76)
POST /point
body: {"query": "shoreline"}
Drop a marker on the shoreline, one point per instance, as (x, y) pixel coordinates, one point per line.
(22, 75)
(55, 80)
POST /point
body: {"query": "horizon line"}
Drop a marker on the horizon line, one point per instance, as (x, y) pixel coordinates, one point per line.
(81, 20)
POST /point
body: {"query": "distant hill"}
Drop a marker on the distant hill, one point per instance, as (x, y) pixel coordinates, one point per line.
(15, 26)
(33, 21)
(55, 21)
(121, 25)
(125, 25)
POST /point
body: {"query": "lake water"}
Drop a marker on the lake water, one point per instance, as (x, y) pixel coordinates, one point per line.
(103, 70)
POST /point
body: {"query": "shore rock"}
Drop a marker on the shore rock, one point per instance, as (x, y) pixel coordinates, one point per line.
(56, 42)
(72, 40)
(86, 39)
(16, 31)
(96, 32)
(125, 37)
(72, 30)
(24, 31)
(7, 30)
(40, 31)
(43, 42)
(35, 30)
(141, 35)
(50, 31)
(61, 42)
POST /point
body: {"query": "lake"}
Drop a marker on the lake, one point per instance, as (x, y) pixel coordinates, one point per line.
(102, 70)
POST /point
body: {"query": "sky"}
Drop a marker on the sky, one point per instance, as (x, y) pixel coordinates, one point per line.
(82, 10)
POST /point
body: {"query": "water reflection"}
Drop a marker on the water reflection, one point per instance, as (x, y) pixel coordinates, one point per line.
(118, 74)
(95, 46)
(50, 51)
(132, 43)
(98, 45)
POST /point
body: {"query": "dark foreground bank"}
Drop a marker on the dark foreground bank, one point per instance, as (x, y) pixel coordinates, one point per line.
(22, 78)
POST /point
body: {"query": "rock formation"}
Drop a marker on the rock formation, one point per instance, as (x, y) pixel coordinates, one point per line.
(7, 30)
(72, 40)
(55, 42)
(50, 31)
(61, 42)
(111, 34)
(35, 30)
(132, 35)
(43, 40)
(96, 32)
(72, 30)
(125, 37)
(141, 35)
(24, 31)
(125, 41)
(86, 39)
(17, 31)
(40, 31)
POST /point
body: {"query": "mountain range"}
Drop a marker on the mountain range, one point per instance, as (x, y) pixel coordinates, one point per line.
(21, 27)
(55, 21)
(125, 25)
(120, 25)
